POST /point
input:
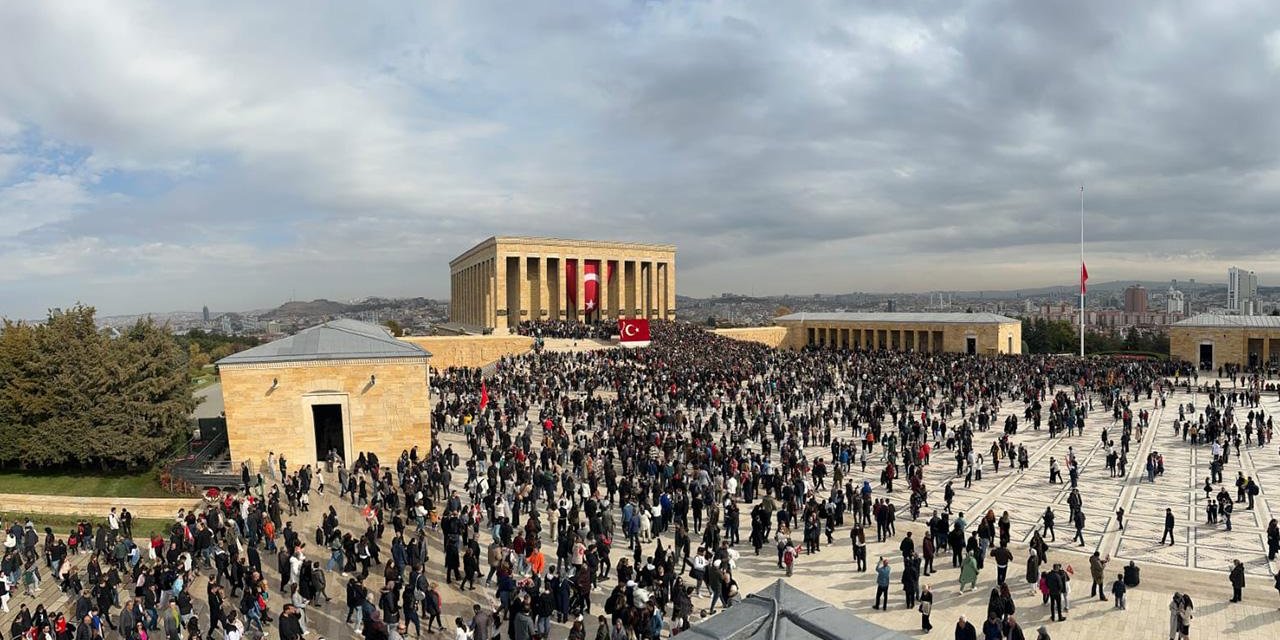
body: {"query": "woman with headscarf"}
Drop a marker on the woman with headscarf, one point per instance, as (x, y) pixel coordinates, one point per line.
(995, 606)
(1185, 614)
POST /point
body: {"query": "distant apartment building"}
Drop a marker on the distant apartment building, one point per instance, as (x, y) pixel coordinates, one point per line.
(1242, 292)
(1106, 319)
(1135, 299)
(1175, 301)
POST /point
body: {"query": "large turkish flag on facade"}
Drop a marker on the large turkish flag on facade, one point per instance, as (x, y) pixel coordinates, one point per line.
(633, 332)
(591, 286)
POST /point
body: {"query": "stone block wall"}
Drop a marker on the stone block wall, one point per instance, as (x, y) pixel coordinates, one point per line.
(268, 407)
(991, 338)
(1230, 344)
(470, 351)
(769, 336)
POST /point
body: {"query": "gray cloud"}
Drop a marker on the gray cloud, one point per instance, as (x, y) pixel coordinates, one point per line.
(176, 157)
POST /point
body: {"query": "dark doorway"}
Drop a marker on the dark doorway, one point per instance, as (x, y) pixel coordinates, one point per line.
(971, 345)
(328, 423)
(1255, 352)
(1206, 356)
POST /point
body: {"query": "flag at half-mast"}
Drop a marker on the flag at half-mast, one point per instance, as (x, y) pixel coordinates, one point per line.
(1084, 277)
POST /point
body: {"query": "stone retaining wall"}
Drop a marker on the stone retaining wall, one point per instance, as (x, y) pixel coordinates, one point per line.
(160, 508)
(470, 351)
(769, 336)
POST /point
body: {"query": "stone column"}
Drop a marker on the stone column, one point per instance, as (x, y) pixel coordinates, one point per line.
(661, 287)
(544, 288)
(492, 285)
(470, 296)
(581, 303)
(555, 280)
(671, 290)
(464, 314)
(633, 310)
(650, 293)
(486, 296)
(476, 295)
(500, 292)
(602, 286)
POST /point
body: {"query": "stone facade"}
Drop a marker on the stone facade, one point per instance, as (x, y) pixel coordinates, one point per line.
(768, 336)
(505, 280)
(989, 336)
(385, 407)
(1245, 346)
(470, 351)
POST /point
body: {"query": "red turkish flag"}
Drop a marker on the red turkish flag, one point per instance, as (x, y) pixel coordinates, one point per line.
(591, 285)
(484, 395)
(633, 331)
(1084, 277)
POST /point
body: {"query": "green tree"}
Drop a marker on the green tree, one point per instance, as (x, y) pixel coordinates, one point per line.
(71, 396)
(394, 327)
(197, 358)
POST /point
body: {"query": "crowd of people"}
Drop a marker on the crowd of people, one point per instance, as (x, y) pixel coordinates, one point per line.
(602, 494)
(594, 330)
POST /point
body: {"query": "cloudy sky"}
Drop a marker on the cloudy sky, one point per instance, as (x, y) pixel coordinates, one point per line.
(162, 156)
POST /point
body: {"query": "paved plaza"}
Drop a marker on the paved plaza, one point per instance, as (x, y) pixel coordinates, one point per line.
(1196, 563)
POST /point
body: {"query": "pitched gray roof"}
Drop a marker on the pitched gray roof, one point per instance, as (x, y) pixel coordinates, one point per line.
(894, 316)
(341, 339)
(1216, 320)
(783, 612)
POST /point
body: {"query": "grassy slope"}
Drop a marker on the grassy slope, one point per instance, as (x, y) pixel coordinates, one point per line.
(128, 485)
(62, 524)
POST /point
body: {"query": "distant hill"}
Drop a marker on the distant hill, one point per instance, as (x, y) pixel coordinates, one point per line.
(322, 307)
(298, 309)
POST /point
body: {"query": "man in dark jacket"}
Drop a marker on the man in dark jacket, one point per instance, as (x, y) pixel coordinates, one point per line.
(290, 623)
(1054, 583)
(965, 630)
(1237, 580)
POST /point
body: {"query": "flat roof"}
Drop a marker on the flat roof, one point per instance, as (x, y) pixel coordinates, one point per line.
(341, 339)
(1225, 321)
(614, 244)
(898, 316)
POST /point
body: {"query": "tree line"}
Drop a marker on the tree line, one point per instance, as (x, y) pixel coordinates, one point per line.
(1061, 336)
(71, 396)
(204, 348)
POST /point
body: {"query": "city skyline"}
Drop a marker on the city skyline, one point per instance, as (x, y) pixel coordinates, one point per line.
(244, 154)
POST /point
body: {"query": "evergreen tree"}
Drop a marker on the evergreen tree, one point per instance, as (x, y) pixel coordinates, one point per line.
(71, 396)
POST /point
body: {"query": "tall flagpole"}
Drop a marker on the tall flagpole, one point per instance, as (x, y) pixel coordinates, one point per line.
(1081, 271)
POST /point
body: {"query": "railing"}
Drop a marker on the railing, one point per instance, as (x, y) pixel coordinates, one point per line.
(208, 466)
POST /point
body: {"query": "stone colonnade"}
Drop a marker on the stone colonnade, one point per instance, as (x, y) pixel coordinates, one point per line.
(504, 281)
(1002, 336)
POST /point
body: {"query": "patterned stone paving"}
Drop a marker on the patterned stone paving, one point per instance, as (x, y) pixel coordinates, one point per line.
(1196, 563)
(1198, 545)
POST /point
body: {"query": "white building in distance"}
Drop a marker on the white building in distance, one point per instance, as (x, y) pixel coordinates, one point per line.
(1242, 292)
